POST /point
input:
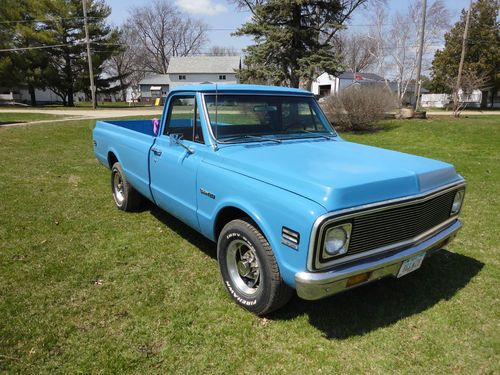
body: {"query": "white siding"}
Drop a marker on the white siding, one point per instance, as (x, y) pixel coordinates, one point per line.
(325, 79)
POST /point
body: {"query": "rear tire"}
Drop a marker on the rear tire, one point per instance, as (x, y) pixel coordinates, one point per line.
(125, 196)
(249, 269)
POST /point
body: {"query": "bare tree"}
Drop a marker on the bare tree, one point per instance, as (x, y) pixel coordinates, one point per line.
(222, 51)
(162, 31)
(469, 82)
(126, 64)
(396, 41)
(377, 35)
(357, 51)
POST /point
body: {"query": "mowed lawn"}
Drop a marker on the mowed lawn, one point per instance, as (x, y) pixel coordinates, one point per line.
(16, 117)
(86, 288)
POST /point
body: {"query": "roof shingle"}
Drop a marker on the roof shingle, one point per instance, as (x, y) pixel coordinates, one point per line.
(203, 64)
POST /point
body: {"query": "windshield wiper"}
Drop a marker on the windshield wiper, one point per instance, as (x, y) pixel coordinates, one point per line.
(317, 134)
(246, 136)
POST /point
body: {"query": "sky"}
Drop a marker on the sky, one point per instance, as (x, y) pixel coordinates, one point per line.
(222, 14)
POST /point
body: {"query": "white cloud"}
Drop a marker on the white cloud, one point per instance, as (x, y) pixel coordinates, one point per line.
(201, 6)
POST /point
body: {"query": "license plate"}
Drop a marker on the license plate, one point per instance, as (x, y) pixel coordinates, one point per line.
(410, 265)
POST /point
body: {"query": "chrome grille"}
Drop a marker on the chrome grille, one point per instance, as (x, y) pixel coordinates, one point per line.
(379, 229)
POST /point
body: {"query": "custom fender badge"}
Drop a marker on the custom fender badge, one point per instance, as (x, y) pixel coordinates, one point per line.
(207, 193)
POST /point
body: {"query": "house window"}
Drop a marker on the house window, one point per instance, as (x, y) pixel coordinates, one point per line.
(222, 77)
(182, 77)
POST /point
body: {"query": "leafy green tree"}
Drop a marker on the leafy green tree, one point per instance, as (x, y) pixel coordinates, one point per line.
(293, 39)
(67, 72)
(30, 24)
(482, 56)
(10, 13)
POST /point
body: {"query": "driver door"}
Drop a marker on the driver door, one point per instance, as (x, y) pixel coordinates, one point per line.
(173, 167)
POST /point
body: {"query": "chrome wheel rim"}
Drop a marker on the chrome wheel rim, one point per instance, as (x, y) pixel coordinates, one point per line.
(118, 190)
(243, 267)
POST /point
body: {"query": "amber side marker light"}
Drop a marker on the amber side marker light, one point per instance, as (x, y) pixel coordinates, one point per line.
(361, 278)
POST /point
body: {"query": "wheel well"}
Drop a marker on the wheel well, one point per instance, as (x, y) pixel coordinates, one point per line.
(228, 214)
(112, 159)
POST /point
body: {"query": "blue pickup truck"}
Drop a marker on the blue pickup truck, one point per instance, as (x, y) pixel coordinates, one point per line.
(291, 205)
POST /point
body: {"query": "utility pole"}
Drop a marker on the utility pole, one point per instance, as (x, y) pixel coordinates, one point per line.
(89, 58)
(464, 47)
(420, 52)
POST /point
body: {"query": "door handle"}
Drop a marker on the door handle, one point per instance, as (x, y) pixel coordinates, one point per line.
(156, 151)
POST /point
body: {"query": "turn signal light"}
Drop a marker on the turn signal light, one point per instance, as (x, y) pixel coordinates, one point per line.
(358, 279)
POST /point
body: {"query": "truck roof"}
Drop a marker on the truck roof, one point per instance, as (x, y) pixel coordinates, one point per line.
(241, 88)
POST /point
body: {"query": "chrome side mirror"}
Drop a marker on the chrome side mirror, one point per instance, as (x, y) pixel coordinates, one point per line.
(176, 138)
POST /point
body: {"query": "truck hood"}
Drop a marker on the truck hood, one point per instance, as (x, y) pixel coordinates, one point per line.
(334, 173)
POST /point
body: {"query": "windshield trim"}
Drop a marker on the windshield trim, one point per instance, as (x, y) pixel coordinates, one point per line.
(215, 142)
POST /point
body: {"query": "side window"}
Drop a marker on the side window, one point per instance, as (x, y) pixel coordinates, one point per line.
(184, 119)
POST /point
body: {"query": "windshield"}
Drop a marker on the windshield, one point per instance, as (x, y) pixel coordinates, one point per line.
(250, 118)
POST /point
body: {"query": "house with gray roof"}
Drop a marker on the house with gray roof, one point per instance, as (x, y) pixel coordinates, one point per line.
(190, 70)
(154, 86)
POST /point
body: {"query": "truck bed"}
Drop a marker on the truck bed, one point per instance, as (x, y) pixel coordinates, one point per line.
(141, 126)
(132, 140)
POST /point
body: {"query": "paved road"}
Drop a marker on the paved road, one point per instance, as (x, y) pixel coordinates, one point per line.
(90, 113)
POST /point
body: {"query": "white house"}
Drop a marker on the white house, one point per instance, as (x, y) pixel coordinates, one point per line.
(472, 100)
(327, 84)
(22, 95)
(190, 70)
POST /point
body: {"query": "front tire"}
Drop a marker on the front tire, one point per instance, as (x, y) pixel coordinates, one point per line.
(125, 196)
(249, 269)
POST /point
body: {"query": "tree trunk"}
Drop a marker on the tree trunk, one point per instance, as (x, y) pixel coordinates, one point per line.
(122, 89)
(71, 99)
(294, 80)
(31, 90)
(69, 79)
(296, 45)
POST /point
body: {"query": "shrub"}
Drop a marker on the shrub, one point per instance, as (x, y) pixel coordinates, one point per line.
(358, 108)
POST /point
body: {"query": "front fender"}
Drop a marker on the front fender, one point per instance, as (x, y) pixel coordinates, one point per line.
(269, 206)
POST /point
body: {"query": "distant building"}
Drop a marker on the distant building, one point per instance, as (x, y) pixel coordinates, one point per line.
(472, 100)
(190, 70)
(477, 99)
(328, 84)
(154, 86)
(47, 96)
(22, 95)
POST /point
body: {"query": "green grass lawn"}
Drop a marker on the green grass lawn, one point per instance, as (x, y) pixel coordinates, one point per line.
(86, 288)
(15, 117)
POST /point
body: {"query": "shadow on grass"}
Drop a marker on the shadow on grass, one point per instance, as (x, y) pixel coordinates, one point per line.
(11, 122)
(183, 230)
(383, 303)
(367, 308)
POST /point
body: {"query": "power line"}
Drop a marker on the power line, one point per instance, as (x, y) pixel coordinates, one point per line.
(49, 19)
(37, 47)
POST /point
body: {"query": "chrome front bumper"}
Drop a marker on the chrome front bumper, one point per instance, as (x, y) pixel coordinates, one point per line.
(316, 285)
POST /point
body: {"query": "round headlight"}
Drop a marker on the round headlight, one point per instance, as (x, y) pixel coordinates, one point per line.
(335, 240)
(457, 202)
